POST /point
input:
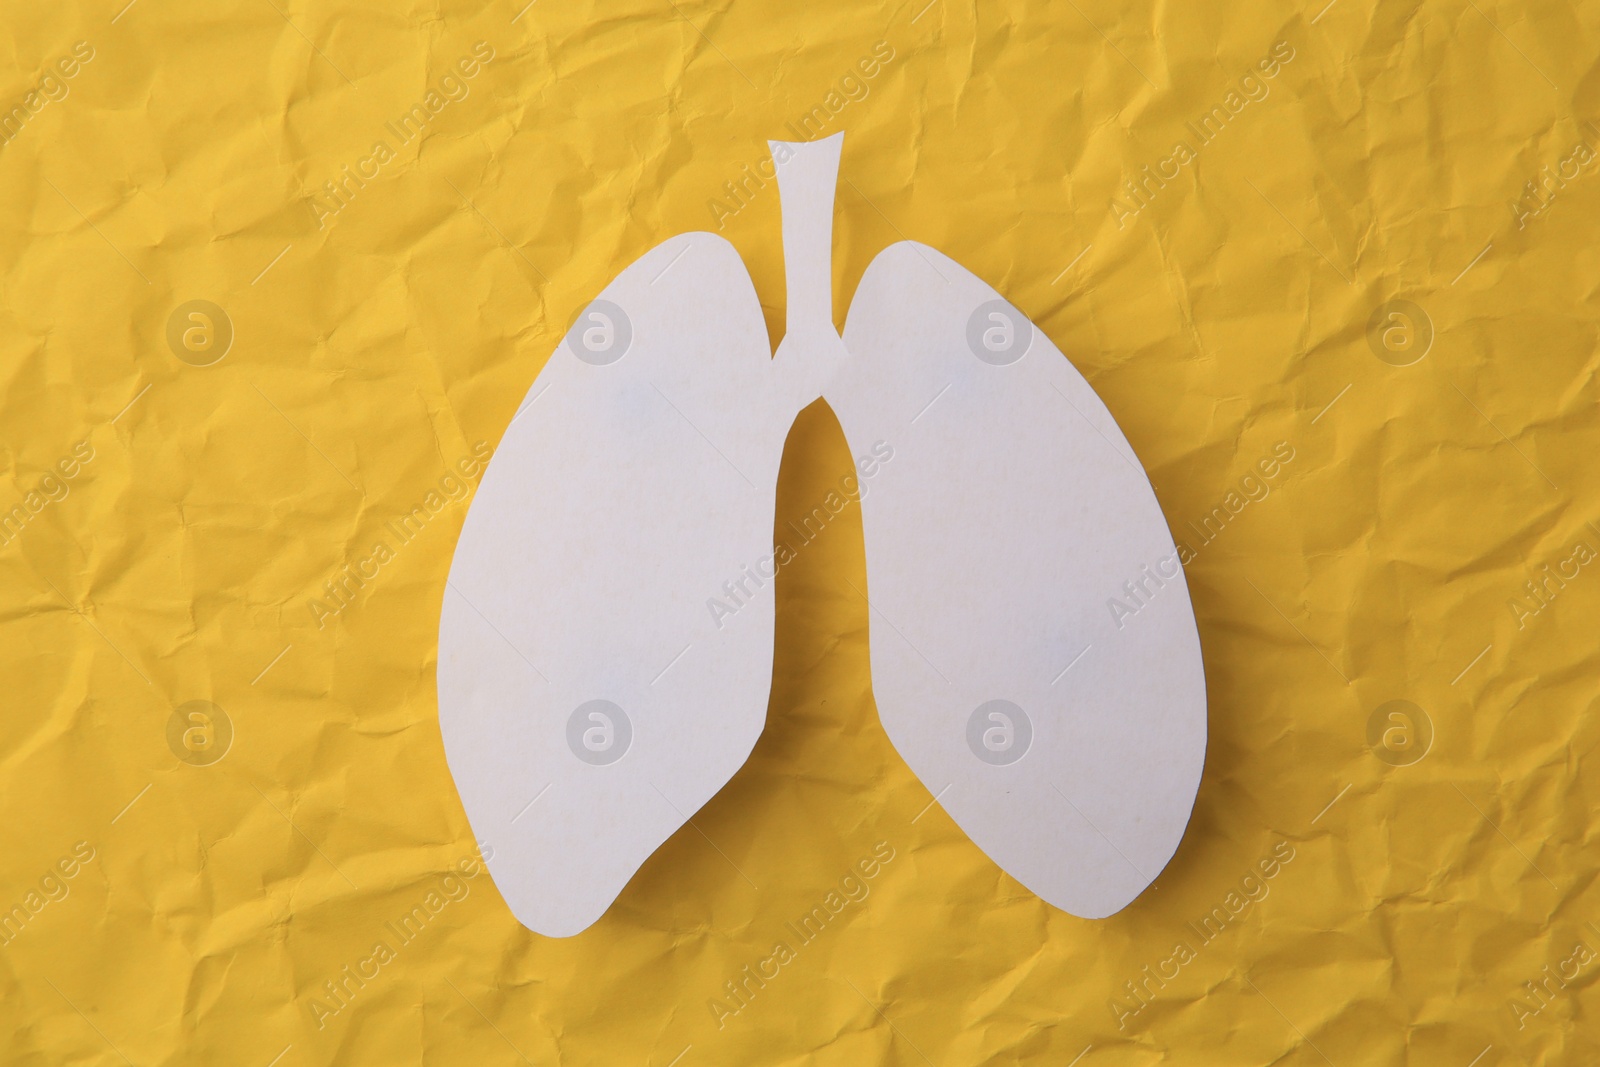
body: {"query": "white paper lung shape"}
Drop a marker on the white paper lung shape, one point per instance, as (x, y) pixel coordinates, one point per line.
(639, 477)
(1067, 741)
(591, 699)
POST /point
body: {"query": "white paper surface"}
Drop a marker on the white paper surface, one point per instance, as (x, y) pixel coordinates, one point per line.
(594, 689)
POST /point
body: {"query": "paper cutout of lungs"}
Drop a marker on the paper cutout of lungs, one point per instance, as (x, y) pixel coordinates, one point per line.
(589, 700)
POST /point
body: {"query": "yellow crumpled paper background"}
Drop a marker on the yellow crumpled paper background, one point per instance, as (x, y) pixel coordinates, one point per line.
(1363, 882)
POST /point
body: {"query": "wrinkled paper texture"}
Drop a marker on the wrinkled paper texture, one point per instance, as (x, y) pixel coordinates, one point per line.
(228, 523)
